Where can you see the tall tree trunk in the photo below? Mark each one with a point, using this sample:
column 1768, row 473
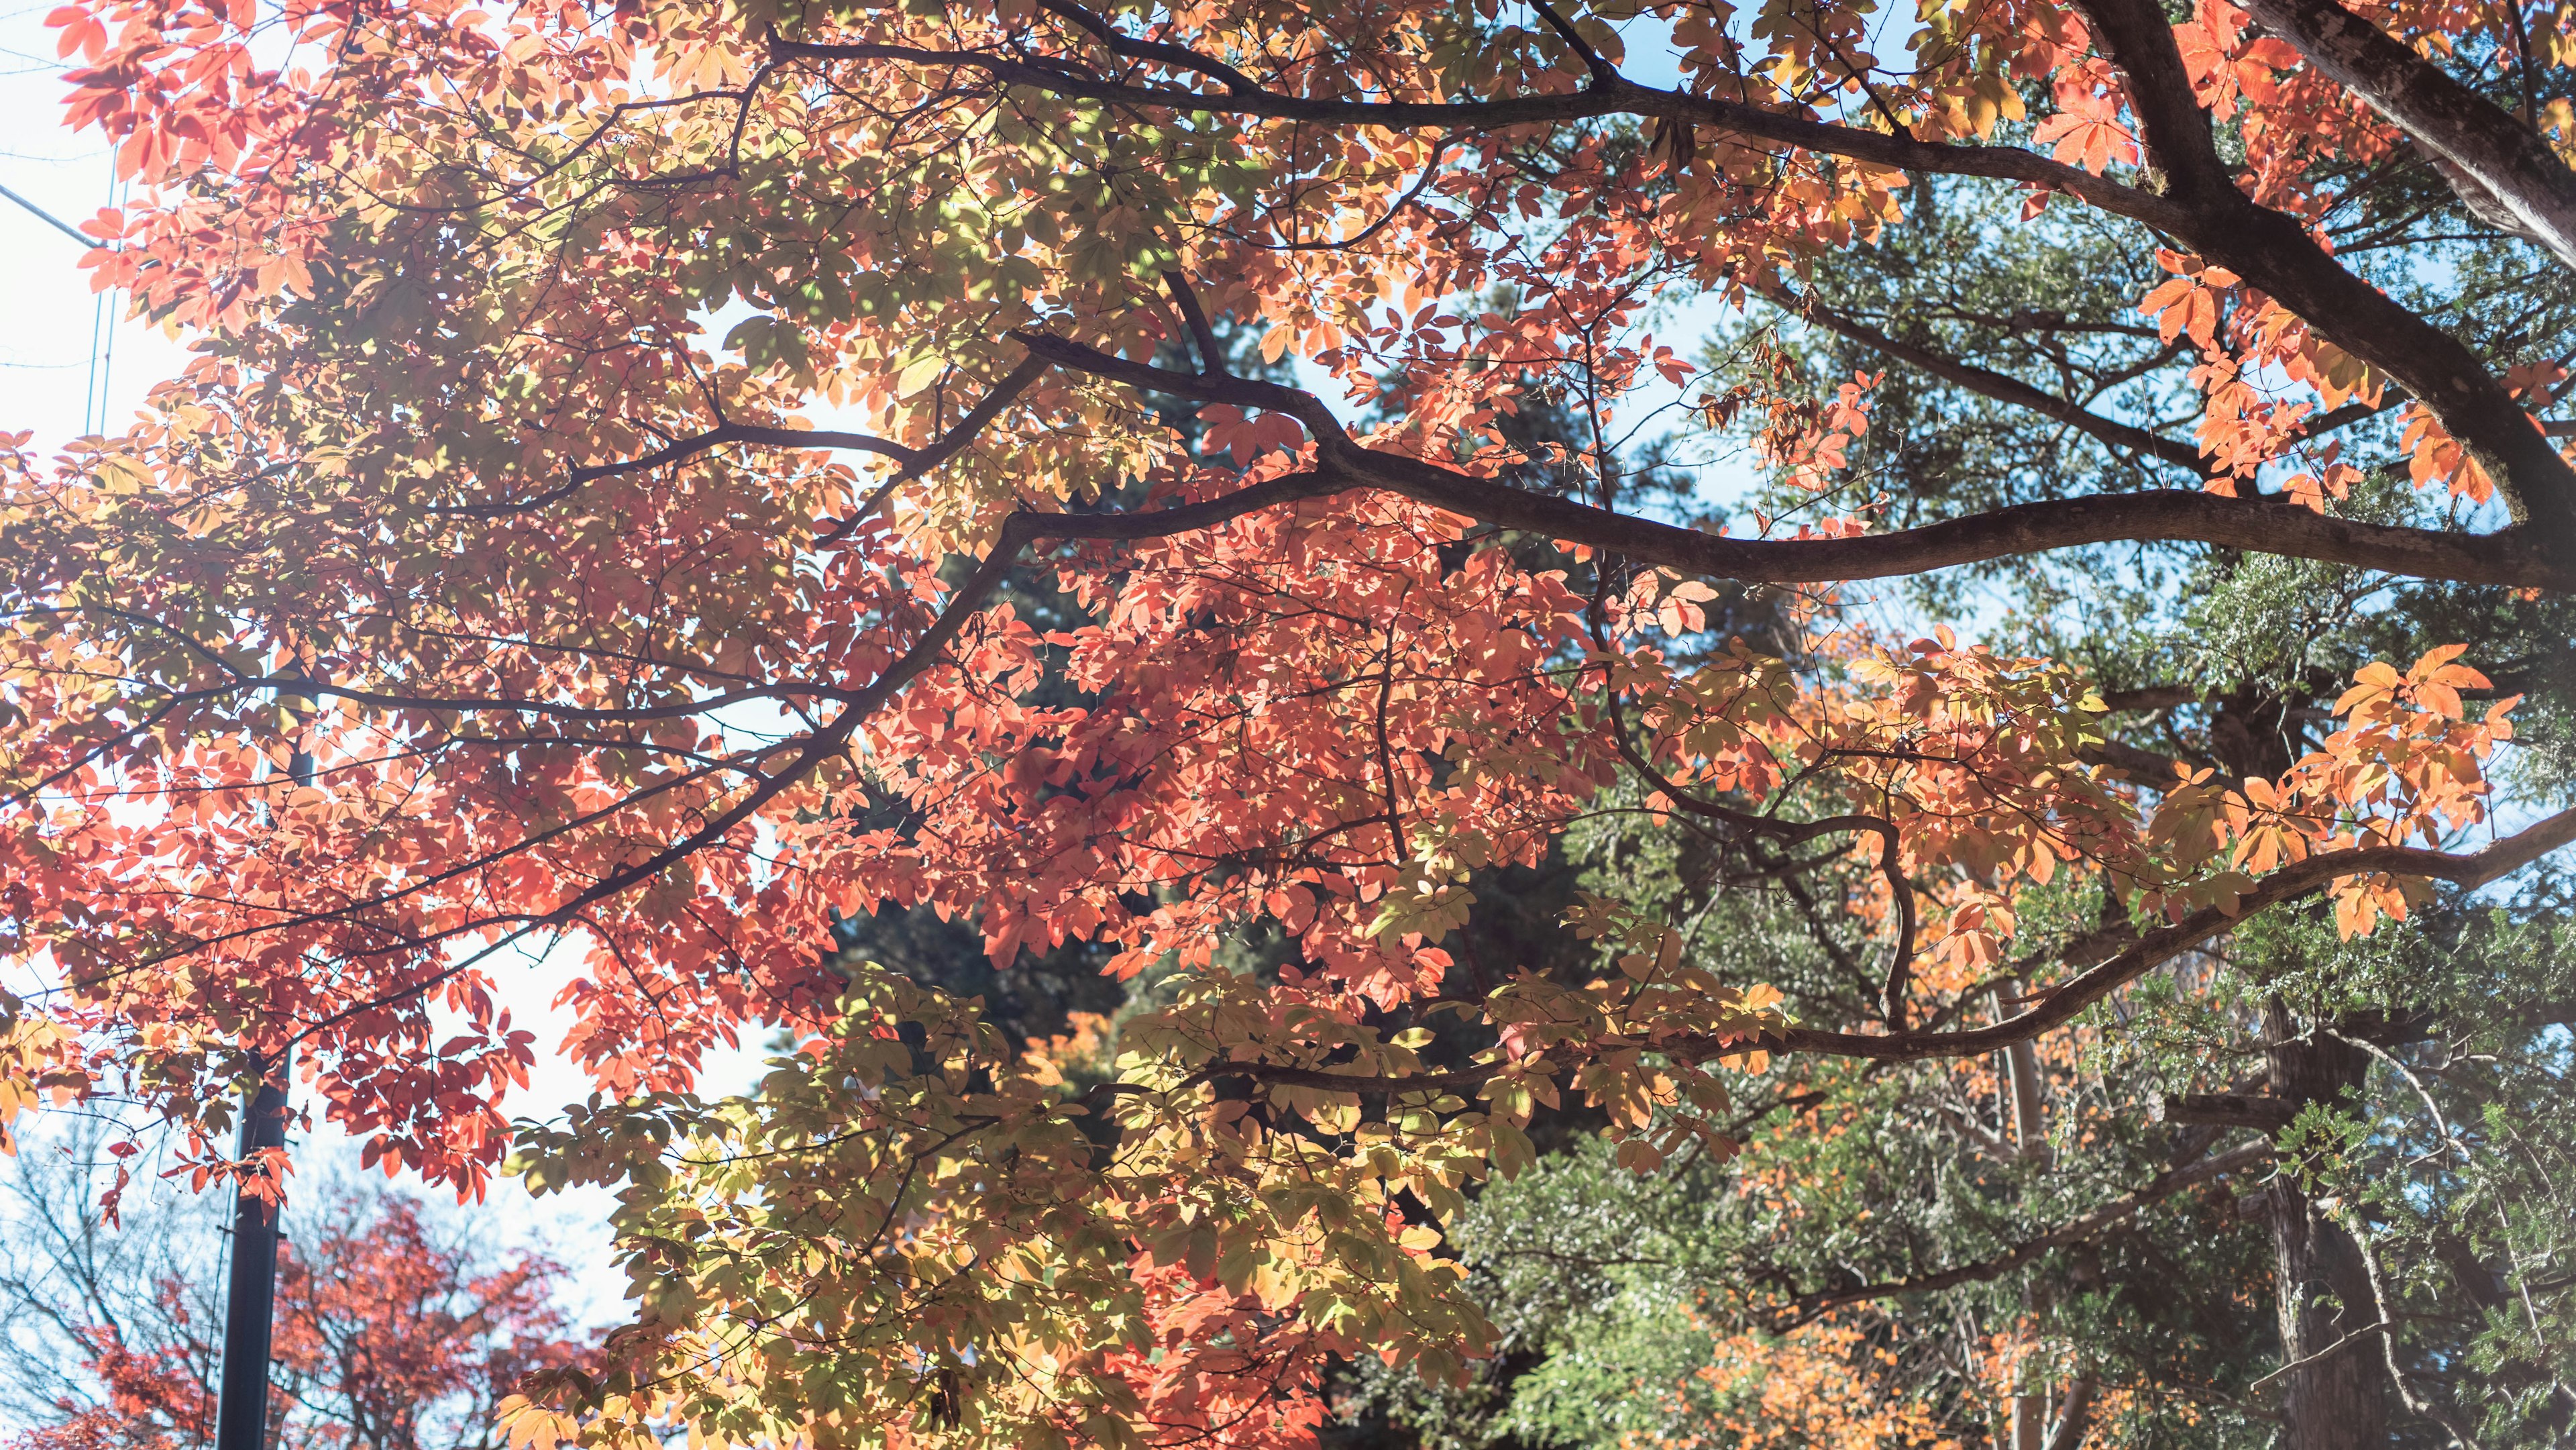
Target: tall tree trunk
column 2335, row 1396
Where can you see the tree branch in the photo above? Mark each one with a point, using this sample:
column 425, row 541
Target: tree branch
column 1099, row 28
column 1999, row 386
column 2075, row 1413
column 911, row 462
column 2201, row 205
column 2139, row 767
column 2228, row 1110
column 2505, row 172
column 2507, row 557
column 2055, row 1008
column 2062, row 1004
column 1211, row 354
column 1617, row 96
column 2275, row 252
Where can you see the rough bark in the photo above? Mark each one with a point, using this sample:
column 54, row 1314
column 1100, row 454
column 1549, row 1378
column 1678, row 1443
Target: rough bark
column 2332, row 1394
column 2500, row 167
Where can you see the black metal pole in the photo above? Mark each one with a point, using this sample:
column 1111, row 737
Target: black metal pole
column 250, row 1303
column 250, row 1298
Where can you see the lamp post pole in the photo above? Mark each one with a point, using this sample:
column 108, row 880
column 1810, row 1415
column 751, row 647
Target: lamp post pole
column 250, row 1302
column 250, row 1298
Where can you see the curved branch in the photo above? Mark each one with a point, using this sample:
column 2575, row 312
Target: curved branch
column 2055, row 1008
column 1099, row 28
column 818, row 747
column 2201, row 205
column 2170, row 515
column 2154, row 948
column 1616, row 96
column 1891, row 860
column 2275, row 252
column 1211, row 352
column 911, row 462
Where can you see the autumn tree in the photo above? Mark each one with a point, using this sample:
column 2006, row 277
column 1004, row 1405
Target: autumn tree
column 468, row 592
column 397, row 1328
column 1949, row 1254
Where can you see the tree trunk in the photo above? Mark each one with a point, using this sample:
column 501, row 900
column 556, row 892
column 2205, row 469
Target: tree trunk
column 2335, row 1395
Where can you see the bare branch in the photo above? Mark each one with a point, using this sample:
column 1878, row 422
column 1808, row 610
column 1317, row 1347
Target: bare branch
column 2000, row 387
column 911, row 462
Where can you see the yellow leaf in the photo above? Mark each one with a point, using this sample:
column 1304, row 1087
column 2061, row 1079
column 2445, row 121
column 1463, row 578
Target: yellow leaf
column 918, row 374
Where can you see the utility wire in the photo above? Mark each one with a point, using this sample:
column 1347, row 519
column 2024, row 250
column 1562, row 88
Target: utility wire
column 57, row 223
column 102, row 341
column 102, row 337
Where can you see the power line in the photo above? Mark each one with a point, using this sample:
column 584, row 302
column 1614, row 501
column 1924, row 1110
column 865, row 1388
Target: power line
column 93, row 406
column 115, row 197
column 57, row 223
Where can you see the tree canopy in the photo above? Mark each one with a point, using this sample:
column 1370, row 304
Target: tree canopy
column 1215, row 509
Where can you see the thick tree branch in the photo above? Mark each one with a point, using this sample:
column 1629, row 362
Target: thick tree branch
column 2075, row 1413
column 2274, row 251
column 1211, row 352
column 1099, row 28
column 2154, row 697
column 2162, row 515
column 2054, row 1009
column 1616, row 97
column 2228, row 1110
column 2501, row 168
column 2138, row 767
column 2154, row 948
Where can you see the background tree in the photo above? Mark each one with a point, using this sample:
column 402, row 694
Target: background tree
column 398, row 1327
column 575, row 624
